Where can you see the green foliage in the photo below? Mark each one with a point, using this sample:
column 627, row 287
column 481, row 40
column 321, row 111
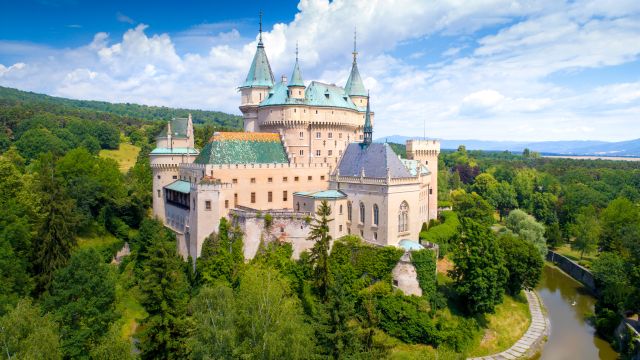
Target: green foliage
column 472, row 206
column 407, row 319
column 14, row 279
column 262, row 319
column 445, row 233
column 523, row 262
column 222, row 257
column 586, row 230
column 425, row 263
column 112, row 347
column 367, row 260
column 399, row 149
column 479, row 269
column 26, row 334
column 612, row 277
column 320, row 251
column 620, row 227
column 165, row 297
column 82, row 300
column 36, row 142
column 528, row 229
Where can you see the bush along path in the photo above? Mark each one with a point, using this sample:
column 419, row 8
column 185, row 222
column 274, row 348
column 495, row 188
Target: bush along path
column 531, row 342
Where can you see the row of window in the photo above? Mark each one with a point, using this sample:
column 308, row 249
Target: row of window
column 284, row 179
column 403, row 215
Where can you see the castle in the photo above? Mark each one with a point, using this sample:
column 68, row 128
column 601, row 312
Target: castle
column 301, row 145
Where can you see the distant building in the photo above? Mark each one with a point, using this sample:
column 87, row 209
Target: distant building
column 302, row 144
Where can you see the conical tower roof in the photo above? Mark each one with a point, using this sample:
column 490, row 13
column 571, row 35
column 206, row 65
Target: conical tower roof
column 296, row 76
column 355, row 86
column 260, row 73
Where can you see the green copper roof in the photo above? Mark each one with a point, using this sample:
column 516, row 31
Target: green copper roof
column 296, row 76
column 179, row 186
column 178, row 128
column 175, row 150
column 325, row 194
column 242, row 152
column 414, row 165
column 260, row 73
column 355, row 86
column 316, row 94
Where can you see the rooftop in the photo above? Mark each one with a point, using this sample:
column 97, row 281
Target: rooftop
column 374, row 159
column 174, row 151
column 243, row 148
column 316, row 94
column 414, row 165
column 325, row 194
column 179, row 186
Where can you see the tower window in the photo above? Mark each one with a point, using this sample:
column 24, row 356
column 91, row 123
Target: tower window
column 253, row 180
column 253, row 198
column 270, row 179
column 330, row 153
column 318, row 135
column 349, row 210
column 321, row 177
column 318, row 152
column 207, row 205
column 158, row 177
column 285, row 196
column 226, row 204
column 301, row 152
column 159, row 194
column 301, row 134
column 362, row 213
column 330, row 135
column 270, row 196
column 375, row 214
column 235, row 181
column 296, row 178
column 309, row 178
column 284, row 179
column 403, row 217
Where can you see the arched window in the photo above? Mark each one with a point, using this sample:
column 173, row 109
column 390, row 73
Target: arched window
column 340, row 209
column 375, row 214
column 349, row 210
column 361, row 213
column 403, row 217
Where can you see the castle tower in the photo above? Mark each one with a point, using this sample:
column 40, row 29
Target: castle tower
column 355, row 87
column 174, row 146
column 296, row 85
column 427, row 151
column 256, row 86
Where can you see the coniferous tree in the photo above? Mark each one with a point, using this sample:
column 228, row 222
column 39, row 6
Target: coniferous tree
column 320, row 251
column 221, row 257
column 165, row 296
column 479, row 269
column 57, row 229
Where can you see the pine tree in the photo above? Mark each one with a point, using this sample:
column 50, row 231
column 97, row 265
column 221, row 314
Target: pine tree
column 165, row 297
column 320, row 250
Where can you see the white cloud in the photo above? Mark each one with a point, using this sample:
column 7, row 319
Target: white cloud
column 501, row 90
column 124, row 18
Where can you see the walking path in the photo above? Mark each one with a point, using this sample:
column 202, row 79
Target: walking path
column 528, row 343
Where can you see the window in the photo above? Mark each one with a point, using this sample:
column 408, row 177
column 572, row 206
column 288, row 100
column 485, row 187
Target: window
column 340, row 228
column 318, row 152
column 318, row 135
column 226, row 204
column 175, row 177
column 235, row 181
column 430, row 191
column 361, row 213
column 330, row 135
column 375, row 236
column 330, row 153
column 301, row 152
column 301, row 134
column 309, row 178
column 339, row 135
column 159, row 195
column 375, row 214
column 284, row 196
column 316, row 111
column 340, row 209
column 295, row 110
column 403, row 217
column 296, row 178
column 361, row 137
column 349, row 210
column 207, row 205
column 235, row 200
column 284, row 179
column 269, row 179
column 362, row 234
column 253, row 180
column 321, row 177
column 270, row 196
column 158, row 177
column 298, row 207
column 253, row 198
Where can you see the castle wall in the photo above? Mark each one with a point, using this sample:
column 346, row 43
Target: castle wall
column 405, row 276
column 427, row 152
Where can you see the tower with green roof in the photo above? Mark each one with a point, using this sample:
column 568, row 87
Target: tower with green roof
column 296, row 85
column 256, row 86
column 354, row 87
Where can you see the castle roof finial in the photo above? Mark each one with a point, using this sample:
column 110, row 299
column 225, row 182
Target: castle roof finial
column 296, row 51
column 368, row 128
column 355, row 51
column 260, row 38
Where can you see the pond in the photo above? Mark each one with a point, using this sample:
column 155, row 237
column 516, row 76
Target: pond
column 568, row 304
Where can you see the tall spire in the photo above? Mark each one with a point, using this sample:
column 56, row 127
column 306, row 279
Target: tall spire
column 296, row 76
column 355, row 86
column 260, row 73
column 368, row 128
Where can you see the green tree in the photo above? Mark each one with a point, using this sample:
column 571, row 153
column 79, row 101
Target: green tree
column 620, row 226
column 26, row 334
column 504, row 198
column 554, row 235
column 36, row 142
column 112, row 347
column 528, row 229
column 586, row 231
column 485, row 185
column 320, row 251
column 523, row 262
column 82, row 300
column 479, row 269
column 165, row 297
column 57, row 228
column 613, row 280
column 262, row 320
column 472, row 206
column 221, row 258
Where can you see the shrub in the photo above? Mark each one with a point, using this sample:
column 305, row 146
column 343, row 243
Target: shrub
column 444, row 233
column 425, row 264
column 375, row 262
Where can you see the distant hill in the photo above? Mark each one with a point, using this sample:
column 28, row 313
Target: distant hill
column 10, row 97
column 574, row 147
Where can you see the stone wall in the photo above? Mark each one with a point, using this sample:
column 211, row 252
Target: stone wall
column 574, row 270
column 405, row 276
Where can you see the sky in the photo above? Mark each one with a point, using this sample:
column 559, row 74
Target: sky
column 490, row 69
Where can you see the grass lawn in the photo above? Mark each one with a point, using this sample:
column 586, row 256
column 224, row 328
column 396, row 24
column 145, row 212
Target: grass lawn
column 575, row 255
column 128, row 305
column 125, row 156
column 504, row 328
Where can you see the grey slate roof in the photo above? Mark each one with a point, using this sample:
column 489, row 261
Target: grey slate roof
column 375, row 158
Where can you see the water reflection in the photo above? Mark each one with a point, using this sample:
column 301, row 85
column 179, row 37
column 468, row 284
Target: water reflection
column 568, row 304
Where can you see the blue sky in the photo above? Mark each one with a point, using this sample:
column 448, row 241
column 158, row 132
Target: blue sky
column 490, row 69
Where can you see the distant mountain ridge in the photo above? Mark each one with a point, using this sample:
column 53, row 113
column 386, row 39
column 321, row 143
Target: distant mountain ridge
column 629, row 148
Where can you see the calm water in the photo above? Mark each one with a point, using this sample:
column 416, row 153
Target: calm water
column 568, row 304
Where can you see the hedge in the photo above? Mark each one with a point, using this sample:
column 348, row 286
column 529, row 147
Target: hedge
column 444, row 233
column 425, row 263
column 376, row 262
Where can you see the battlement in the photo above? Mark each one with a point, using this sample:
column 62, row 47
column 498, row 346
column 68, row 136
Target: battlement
column 423, row 145
column 374, row 181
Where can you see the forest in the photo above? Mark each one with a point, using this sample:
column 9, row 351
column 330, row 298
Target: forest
column 65, row 211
